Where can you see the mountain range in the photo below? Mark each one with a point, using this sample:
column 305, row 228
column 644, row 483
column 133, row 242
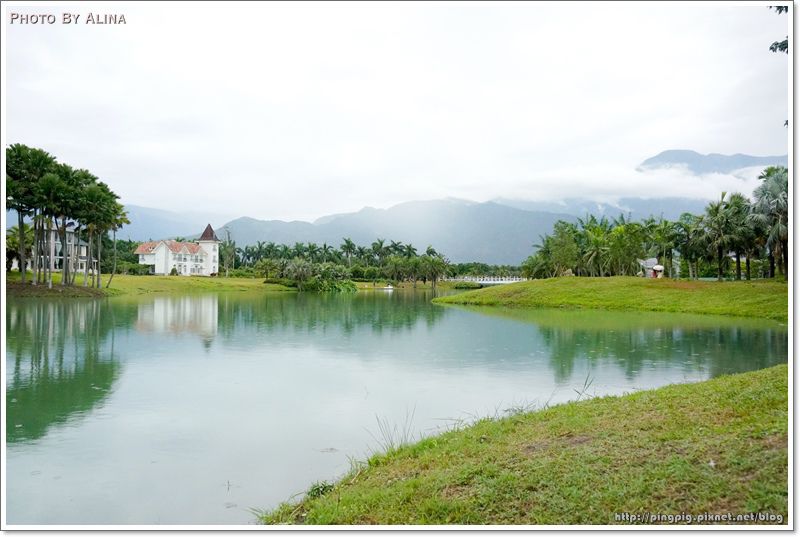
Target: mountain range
column 500, row 231
column 711, row 163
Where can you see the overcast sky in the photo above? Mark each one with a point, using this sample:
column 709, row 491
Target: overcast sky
column 294, row 111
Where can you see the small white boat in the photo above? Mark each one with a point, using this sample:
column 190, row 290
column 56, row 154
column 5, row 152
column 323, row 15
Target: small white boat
column 387, row 288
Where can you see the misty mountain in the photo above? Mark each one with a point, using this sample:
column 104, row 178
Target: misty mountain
column 711, row 163
column 148, row 223
column 464, row 231
column 635, row 208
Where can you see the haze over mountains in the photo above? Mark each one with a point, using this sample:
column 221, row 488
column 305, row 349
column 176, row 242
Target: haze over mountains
column 500, row 231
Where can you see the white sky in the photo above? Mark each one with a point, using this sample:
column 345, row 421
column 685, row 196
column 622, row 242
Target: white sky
column 294, row 111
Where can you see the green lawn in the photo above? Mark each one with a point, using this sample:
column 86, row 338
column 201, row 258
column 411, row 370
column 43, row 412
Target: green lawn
column 137, row 285
column 757, row 298
column 712, row 447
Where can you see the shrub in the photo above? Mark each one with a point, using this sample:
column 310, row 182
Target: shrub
column 322, row 285
column 244, row 272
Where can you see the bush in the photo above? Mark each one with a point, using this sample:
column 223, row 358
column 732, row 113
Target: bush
column 125, row 267
column 467, row 285
column 173, row 272
column 244, row 272
column 321, row 285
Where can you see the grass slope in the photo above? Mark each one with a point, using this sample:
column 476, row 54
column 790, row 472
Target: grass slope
column 717, row 446
column 761, row 298
column 138, row 285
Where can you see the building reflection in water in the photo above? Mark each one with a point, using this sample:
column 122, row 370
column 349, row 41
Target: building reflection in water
column 179, row 315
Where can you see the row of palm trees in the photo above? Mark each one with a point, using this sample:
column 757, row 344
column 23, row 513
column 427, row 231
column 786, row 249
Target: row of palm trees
column 381, row 259
column 424, row 268
column 734, row 225
column 58, row 198
column 375, row 255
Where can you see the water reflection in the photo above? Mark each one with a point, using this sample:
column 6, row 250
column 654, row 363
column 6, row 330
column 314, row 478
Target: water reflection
column 634, row 341
column 215, row 403
column 180, row 315
column 63, row 364
column 309, row 313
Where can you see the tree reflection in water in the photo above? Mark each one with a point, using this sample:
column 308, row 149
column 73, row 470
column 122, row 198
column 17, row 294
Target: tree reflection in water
column 61, row 363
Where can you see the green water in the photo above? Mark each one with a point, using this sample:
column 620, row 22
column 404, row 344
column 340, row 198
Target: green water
column 193, row 409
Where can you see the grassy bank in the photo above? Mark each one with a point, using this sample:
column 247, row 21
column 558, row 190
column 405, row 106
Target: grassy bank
column 712, row 447
column 138, row 285
column 761, row 298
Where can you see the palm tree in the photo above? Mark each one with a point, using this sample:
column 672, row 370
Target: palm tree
column 770, row 211
column 25, row 166
column 718, row 230
column 348, row 248
column 299, row 250
column 689, row 241
column 326, row 252
column 120, row 219
column 364, row 254
column 285, row 252
column 409, row 251
column 312, row 250
column 663, row 239
column 742, row 228
column 379, row 250
column 595, row 256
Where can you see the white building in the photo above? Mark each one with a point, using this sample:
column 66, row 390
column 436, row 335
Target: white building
column 77, row 250
column 200, row 258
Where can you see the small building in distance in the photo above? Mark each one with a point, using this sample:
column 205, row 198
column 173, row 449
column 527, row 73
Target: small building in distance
column 197, row 258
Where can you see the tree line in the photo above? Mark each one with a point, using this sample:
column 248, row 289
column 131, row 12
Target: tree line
column 58, row 198
column 305, row 263
column 734, row 226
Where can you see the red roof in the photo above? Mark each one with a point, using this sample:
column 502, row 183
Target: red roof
column 146, row 247
column 174, row 247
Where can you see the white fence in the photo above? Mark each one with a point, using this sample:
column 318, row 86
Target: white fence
column 487, row 280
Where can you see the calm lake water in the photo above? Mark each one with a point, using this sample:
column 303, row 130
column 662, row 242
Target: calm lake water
column 194, row 409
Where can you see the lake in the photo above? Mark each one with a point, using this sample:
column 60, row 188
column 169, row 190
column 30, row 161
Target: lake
column 193, row 409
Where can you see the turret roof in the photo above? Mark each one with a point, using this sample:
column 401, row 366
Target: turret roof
column 208, row 234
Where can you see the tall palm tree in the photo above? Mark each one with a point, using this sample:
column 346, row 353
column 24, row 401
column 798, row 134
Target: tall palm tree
column 120, row 219
column 364, row 254
column 663, row 239
column 689, row 241
column 742, row 228
column 299, row 250
column 25, row 166
column 325, row 252
column 770, row 211
column 348, row 248
column 312, row 251
column 379, row 250
column 718, row 230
